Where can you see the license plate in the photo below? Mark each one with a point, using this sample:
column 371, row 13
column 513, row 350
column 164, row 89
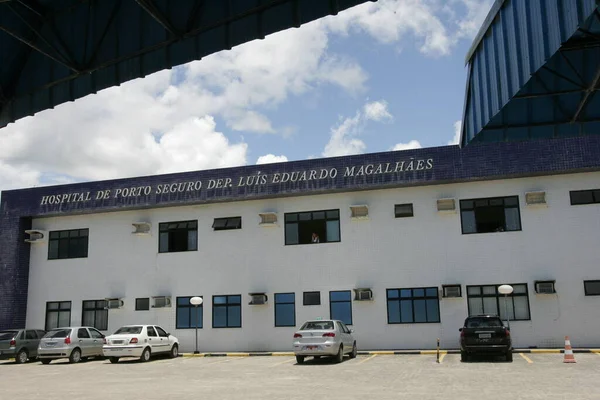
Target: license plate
column 117, row 342
column 311, row 347
column 50, row 344
column 485, row 335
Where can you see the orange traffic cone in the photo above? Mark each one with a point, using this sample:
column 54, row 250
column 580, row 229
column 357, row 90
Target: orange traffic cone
column 569, row 357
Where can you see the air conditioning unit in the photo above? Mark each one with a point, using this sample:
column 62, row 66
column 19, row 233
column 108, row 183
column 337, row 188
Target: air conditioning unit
column 114, row 303
column 141, row 228
column 268, row 219
column 446, row 205
column 161, row 302
column 451, row 291
column 545, row 287
column 535, row 198
column 36, row 236
column 258, row 298
column 359, row 212
column 363, row 294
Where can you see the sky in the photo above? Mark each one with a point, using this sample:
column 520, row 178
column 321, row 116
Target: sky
column 380, row 76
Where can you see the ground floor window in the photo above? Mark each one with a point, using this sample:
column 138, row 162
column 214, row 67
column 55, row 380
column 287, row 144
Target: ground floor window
column 188, row 315
column 340, row 306
column 413, row 306
column 58, row 314
column 312, row 298
column 227, row 311
column 485, row 299
column 591, row 288
column 285, row 309
column 142, row 304
column 95, row 314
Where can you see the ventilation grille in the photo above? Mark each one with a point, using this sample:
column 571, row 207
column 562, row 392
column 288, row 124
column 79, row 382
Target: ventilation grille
column 268, row 219
column 141, row 228
column 359, row 212
column 451, row 291
column 114, row 304
column 36, row 236
column 545, row 287
column 363, row 294
column 161, row 302
column 446, row 205
column 535, row 198
column 258, row 298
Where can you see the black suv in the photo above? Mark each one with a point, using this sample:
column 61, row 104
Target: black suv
column 484, row 334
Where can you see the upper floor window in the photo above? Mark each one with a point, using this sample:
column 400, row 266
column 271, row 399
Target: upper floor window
column 591, row 288
column 579, row 197
column 223, row 224
column 178, row 236
column 68, row 244
column 312, row 227
column 498, row 214
column 413, row 306
column 403, row 210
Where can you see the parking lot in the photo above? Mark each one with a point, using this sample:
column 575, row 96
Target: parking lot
column 530, row 376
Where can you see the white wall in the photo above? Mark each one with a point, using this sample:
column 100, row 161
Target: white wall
column 558, row 242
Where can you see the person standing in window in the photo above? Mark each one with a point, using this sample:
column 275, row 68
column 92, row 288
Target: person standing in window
column 315, row 238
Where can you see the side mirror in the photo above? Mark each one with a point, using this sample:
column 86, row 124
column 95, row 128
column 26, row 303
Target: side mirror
column 351, row 330
column 460, row 329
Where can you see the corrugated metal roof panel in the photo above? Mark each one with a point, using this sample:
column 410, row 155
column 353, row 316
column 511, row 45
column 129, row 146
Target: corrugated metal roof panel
column 526, row 56
column 62, row 50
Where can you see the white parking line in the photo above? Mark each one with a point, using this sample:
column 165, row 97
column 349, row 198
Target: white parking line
column 367, row 359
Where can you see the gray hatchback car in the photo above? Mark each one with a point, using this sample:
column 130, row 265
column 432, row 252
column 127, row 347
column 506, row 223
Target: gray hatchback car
column 20, row 344
column 75, row 343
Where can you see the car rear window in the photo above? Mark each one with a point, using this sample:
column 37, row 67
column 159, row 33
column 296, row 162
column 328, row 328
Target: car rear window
column 319, row 325
column 129, row 330
column 6, row 335
column 58, row 333
column 484, row 323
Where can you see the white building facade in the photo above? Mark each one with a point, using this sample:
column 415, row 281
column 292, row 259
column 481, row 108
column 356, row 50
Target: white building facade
column 402, row 265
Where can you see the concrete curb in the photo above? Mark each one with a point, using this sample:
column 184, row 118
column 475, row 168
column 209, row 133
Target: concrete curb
column 383, row 352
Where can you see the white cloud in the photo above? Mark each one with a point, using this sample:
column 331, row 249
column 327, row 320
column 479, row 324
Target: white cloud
column 344, row 141
column 413, row 144
column 424, row 21
column 377, row 111
column 270, row 159
column 457, row 131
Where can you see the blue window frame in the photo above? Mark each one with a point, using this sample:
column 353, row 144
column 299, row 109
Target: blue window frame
column 227, row 311
column 285, row 309
column 340, row 306
column 413, row 306
column 187, row 314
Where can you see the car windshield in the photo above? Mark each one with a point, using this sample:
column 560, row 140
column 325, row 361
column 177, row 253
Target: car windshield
column 58, row 333
column 318, row 325
column 484, row 323
column 5, row 335
column 128, row 330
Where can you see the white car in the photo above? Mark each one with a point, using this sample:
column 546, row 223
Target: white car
column 140, row 341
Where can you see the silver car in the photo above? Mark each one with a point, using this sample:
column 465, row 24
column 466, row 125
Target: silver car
column 20, row 344
column 329, row 338
column 75, row 343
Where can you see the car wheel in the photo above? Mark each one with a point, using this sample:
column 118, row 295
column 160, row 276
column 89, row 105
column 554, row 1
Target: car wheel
column 464, row 357
column 300, row 359
column 145, row 355
column 45, row 361
column 114, row 360
column 354, row 352
column 75, row 356
column 21, row 357
column 509, row 356
column 174, row 351
column 340, row 354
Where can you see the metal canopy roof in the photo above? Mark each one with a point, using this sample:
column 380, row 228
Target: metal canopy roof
column 54, row 51
column 534, row 72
